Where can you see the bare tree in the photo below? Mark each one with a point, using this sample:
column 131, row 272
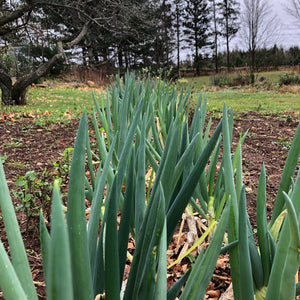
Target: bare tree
column 293, row 8
column 70, row 23
column 259, row 28
column 13, row 26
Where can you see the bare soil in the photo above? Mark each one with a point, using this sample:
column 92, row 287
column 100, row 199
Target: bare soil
column 26, row 146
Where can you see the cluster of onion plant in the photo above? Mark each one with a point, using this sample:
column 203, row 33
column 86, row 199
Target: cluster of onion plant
column 144, row 126
column 265, row 270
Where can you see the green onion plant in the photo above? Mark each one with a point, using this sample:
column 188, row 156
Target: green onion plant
column 144, row 126
column 266, row 269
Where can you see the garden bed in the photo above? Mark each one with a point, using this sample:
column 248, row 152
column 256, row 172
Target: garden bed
column 26, row 146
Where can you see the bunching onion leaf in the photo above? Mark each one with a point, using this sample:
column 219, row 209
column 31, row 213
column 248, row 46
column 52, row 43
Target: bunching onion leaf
column 20, row 265
column 59, row 274
column 76, row 218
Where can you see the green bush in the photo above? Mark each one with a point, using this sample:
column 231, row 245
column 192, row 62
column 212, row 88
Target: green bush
column 221, row 80
column 230, row 80
column 289, row 78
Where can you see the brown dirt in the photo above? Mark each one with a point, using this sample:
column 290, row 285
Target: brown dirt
column 30, row 147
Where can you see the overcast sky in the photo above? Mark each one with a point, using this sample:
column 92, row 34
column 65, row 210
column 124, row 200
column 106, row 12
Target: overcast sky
column 290, row 29
column 289, row 34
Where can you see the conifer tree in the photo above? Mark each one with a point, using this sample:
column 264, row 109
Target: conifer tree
column 229, row 25
column 196, row 23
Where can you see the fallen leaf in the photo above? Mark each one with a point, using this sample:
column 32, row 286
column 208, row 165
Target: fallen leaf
column 213, row 293
column 222, row 263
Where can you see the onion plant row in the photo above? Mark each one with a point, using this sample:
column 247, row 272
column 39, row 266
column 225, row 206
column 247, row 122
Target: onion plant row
column 267, row 269
column 145, row 128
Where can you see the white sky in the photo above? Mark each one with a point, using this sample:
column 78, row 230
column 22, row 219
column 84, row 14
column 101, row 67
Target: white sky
column 289, row 34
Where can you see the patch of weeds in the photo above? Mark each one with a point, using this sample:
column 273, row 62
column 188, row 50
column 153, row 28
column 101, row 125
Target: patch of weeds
column 26, row 127
column 63, row 165
column 46, row 121
column 289, row 78
column 221, row 80
column 14, row 143
column 41, row 122
column 18, row 165
column 283, row 142
column 3, row 159
column 34, row 194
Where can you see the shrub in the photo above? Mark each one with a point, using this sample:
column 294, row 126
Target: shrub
column 230, row 80
column 289, row 78
column 221, row 80
column 241, row 79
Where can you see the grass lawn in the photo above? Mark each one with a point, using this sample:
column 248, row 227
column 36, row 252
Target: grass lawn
column 273, row 100
column 263, row 101
column 61, row 99
column 62, row 103
column 200, row 82
column 53, row 105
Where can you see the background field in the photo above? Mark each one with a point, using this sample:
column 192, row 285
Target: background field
column 60, row 102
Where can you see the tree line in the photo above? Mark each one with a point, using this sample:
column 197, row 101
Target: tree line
column 38, row 36
column 266, row 58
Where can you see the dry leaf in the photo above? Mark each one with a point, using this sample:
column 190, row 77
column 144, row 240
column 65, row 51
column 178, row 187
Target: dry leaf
column 213, row 293
column 222, row 262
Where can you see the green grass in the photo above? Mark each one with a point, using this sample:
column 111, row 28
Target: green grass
column 275, row 100
column 62, row 104
column 262, row 101
column 200, row 82
column 54, row 104
column 61, row 99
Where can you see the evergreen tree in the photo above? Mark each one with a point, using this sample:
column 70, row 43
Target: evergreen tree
column 229, row 12
column 215, row 32
column 196, row 23
column 163, row 45
column 179, row 10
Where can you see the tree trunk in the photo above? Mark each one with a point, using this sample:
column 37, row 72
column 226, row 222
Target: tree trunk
column 227, row 39
column 228, row 54
column 5, row 85
column 215, row 37
column 197, row 62
column 19, row 88
column 178, row 39
column 14, row 94
column 252, row 65
column 120, row 56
